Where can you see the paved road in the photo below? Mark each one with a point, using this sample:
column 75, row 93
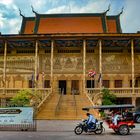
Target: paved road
column 67, row 126
column 63, row 130
column 65, row 136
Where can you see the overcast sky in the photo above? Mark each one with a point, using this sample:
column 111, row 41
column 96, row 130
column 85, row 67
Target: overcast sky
column 10, row 21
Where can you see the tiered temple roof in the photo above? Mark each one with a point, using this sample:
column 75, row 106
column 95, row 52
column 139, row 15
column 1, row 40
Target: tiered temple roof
column 71, row 23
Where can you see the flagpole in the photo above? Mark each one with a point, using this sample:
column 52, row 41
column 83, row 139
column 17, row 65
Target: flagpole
column 91, row 83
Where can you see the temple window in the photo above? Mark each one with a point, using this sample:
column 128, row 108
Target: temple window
column 106, row 83
column 118, row 83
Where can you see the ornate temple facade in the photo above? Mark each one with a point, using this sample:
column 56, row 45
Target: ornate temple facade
column 53, row 53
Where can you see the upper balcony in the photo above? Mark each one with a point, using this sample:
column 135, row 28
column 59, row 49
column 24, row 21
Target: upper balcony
column 119, row 92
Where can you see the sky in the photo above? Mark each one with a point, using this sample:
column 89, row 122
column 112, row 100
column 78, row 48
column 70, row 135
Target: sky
column 10, row 20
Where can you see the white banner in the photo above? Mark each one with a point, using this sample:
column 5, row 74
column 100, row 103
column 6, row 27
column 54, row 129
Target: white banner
column 16, row 115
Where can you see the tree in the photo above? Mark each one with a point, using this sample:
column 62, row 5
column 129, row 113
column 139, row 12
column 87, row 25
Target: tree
column 22, row 98
column 107, row 97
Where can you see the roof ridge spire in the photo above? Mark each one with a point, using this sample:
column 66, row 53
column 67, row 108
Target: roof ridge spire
column 21, row 14
column 108, row 8
column 33, row 10
column 121, row 11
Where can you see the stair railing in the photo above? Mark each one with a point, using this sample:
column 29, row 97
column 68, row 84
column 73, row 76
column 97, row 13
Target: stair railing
column 44, row 95
column 59, row 102
column 74, row 99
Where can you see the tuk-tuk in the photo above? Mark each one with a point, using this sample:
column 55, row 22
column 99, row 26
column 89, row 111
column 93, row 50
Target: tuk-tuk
column 124, row 124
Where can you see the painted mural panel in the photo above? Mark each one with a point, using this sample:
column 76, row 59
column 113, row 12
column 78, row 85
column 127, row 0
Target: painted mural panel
column 20, row 64
column 116, row 63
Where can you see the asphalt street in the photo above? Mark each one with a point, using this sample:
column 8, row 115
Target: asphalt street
column 63, row 130
column 135, row 135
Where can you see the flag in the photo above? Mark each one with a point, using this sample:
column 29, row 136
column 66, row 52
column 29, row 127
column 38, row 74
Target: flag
column 91, row 73
column 100, row 76
column 32, row 77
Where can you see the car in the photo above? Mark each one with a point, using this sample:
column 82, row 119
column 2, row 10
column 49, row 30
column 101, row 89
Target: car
column 136, row 116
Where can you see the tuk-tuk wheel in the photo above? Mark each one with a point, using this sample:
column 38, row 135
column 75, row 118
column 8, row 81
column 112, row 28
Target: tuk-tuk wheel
column 123, row 130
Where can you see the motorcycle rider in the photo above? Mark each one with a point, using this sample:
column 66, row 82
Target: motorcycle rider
column 90, row 121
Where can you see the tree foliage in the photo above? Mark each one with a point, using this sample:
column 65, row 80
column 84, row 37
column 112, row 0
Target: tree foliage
column 22, row 98
column 108, row 98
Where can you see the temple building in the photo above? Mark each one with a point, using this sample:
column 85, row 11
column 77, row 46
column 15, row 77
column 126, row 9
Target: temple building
column 53, row 54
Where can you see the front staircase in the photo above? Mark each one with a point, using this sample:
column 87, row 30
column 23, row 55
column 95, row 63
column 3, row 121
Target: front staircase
column 65, row 107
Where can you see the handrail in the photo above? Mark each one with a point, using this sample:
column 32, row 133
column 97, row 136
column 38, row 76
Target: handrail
column 37, row 104
column 59, row 101
column 75, row 104
column 41, row 103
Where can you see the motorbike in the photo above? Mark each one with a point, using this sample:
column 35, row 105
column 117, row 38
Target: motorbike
column 97, row 128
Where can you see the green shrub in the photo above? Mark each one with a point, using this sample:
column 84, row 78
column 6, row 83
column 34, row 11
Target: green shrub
column 108, row 98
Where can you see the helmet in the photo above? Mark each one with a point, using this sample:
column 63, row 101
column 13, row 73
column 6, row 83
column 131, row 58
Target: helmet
column 88, row 114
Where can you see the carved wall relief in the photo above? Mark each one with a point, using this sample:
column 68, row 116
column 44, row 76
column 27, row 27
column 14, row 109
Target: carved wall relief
column 57, row 63
column 137, row 63
column 45, row 63
column 18, row 81
column 91, row 63
column 18, row 64
column 68, row 64
column 116, row 63
column 79, row 64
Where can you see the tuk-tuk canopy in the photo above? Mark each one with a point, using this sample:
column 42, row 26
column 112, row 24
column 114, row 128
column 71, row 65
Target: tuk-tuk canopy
column 104, row 107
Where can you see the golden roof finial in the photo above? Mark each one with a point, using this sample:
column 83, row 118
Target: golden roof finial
column 21, row 13
column 108, row 8
column 33, row 10
column 121, row 11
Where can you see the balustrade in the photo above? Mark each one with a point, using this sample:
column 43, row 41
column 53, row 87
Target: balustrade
column 119, row 92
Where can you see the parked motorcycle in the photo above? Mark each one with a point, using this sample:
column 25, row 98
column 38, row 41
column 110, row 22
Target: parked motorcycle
column 82, row 127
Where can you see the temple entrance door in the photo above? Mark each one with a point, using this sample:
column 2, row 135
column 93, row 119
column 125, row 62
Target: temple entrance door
column 75, row 87
column 62, row 86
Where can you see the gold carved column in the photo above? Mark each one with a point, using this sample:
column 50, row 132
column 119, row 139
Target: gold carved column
column 69, row 86
column 36, row 62
column 52, row 57
column 3, row 100
column 132, row 61
column 84, row 65
column 100, row 63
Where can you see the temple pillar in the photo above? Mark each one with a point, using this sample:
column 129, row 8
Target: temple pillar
column 80, row 87
column 36, row 64
column 132, row 64
column 84, row 65
column 111, row 83
column 100, row 63
column 69, row 87
column 126, row 81
column 52, row 57
column 4, row 67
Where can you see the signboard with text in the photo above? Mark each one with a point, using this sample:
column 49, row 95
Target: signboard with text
column 16, row 115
